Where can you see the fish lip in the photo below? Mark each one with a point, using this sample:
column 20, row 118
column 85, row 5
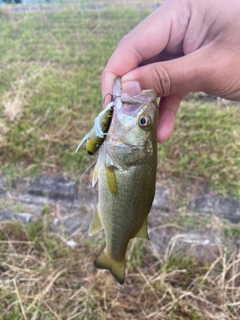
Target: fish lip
column 117, row 93
column 117, row 87
column 121, row 97
column 144, row 97
column 150, row 94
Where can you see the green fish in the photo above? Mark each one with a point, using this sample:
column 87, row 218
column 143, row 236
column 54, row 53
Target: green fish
column 126, row 174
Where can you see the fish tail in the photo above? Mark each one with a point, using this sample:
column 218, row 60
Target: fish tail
column 117, row 268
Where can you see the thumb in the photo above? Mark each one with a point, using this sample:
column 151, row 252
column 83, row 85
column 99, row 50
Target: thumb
column 172, row 80
column 193, row 72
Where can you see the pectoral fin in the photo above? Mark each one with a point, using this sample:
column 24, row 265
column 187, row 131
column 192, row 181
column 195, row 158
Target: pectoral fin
column 117, row 268
column 143, row 233
column 111, row 180
column 94, row 177
column 95, row 225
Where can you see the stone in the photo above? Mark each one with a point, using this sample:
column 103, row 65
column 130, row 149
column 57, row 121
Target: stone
column 161, row 199
column 193, row 243
column 229, row 209
column 204, row 246
column 73, row 223
column 3, row 188
column 226, row 208
column 54, row 188
column 6, row 215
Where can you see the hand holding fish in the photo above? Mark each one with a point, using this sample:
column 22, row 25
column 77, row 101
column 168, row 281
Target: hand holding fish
column 184, row 46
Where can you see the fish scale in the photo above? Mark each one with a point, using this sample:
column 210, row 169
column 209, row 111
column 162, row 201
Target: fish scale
column 121, row 228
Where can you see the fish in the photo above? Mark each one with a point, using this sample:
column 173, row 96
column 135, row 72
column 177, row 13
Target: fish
column 126, row 175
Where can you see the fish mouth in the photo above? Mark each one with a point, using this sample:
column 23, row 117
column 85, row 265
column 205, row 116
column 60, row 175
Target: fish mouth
column 117, row 87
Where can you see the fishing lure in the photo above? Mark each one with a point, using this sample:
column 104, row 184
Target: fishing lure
column 97, row 135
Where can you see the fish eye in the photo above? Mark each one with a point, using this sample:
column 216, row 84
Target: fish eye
column 144, row 121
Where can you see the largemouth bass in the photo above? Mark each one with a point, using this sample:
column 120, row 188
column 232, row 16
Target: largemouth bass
column 126, row 174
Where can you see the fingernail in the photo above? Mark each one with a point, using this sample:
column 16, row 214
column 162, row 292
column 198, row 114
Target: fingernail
column 131, row 87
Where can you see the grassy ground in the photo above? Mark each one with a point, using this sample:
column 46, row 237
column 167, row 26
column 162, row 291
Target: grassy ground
column 49, row 83
column 49, row 95
column 44, row 278
column 205, row 146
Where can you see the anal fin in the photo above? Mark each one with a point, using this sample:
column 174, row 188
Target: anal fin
column 143, row 233
column 95, row 225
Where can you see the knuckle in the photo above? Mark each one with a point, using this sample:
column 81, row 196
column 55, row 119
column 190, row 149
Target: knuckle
column 162, row 79
column 122, row 42
column 124, row 39
column 126, row 45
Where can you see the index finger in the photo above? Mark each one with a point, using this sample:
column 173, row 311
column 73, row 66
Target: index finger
column 145, row 41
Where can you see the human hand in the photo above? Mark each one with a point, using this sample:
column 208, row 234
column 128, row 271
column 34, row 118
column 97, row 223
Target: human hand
column 184, row 46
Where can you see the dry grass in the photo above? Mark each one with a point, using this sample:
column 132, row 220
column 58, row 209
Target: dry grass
column 44, row 278
column 20, row 94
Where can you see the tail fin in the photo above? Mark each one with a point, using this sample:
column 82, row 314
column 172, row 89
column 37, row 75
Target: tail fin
column 117, row 268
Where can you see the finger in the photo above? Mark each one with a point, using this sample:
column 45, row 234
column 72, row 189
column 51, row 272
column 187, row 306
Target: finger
column 196, row 71
column 132, row 87
column 168, row 109
column 147, row 40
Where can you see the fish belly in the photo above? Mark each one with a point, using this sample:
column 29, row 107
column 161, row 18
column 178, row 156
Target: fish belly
column 123, row 214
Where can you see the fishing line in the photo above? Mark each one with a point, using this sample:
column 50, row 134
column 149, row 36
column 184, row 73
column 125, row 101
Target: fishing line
column 79, row 182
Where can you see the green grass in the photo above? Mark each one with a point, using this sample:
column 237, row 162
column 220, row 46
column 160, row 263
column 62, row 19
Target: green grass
column 49, row 83
column 193, row 222
column 232, row 232
column 50, row 94
column 205, row 146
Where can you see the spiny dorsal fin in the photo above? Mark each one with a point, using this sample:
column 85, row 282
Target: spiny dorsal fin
column 143, row 233
column 95, row 225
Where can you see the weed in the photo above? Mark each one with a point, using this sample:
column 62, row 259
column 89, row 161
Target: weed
column 232, row 232
column 191, row 221
column 136, row 252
